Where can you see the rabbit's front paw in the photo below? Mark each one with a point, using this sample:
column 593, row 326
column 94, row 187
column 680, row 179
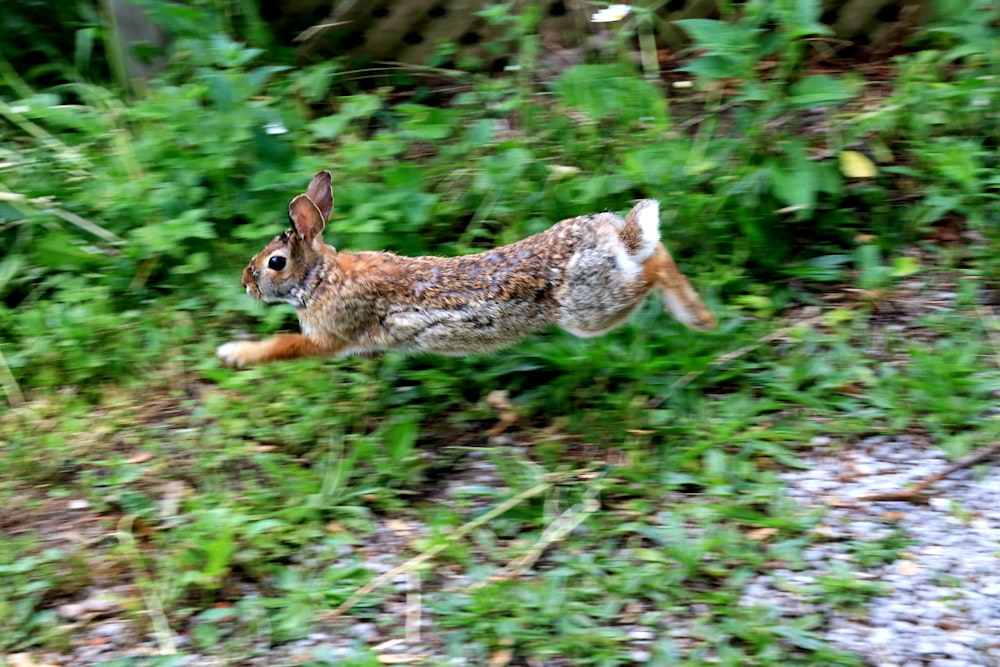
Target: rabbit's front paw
column 237, row 354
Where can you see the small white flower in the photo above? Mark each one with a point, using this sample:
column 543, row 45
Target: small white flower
column 561, row 170
column 275, row 127
column 611, row 13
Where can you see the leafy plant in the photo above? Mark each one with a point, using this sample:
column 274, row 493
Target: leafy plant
column 26, row 582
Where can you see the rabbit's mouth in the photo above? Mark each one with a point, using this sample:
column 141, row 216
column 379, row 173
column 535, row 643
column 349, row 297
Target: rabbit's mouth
column 255, row 292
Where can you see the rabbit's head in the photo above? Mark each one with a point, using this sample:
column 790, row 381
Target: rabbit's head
column 283, row 271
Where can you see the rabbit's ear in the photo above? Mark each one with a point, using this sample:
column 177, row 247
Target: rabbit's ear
column 306, row 218
column 320, row 194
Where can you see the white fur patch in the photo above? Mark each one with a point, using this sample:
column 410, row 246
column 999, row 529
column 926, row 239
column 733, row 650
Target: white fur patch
column 629, row 268
column 648, row 218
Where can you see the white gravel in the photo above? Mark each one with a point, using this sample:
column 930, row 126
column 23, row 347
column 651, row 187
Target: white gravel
column 942, row 602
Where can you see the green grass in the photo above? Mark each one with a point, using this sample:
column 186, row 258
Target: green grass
column 637, row 484
column 617, row 499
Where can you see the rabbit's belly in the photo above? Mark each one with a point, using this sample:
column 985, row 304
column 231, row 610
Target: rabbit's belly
column 464, row 329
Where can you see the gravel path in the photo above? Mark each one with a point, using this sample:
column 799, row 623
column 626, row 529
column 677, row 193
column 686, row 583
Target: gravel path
column 942, row 605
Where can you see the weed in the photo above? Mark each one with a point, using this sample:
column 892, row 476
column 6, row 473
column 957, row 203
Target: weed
column 633, row 488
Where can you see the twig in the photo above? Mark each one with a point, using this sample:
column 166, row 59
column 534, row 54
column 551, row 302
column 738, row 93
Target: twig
column 86, row 225
column 698, row 120
column 461, row 532
column 557, row 531
column 314, row 30
column 43, row 205
column 413, row 607
column 916, row 494
column 154, row 602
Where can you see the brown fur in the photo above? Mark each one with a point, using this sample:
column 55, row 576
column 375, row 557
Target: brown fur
column 584, row 274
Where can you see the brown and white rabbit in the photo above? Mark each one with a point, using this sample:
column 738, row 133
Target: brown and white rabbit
column 584, row 274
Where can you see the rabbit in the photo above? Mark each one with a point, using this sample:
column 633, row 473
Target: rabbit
column 585, row 274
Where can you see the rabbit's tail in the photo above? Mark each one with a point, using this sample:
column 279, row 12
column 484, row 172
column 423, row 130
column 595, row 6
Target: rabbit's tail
column 640, row 232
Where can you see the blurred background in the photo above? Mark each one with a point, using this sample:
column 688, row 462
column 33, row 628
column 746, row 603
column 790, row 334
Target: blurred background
column 150, row 147
column 829, row 179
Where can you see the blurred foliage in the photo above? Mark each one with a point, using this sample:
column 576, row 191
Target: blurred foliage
column 169, row 193
column 49, row 42
column 246, row 505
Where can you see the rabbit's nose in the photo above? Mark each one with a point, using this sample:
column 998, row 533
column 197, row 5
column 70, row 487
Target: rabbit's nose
column 247, row 276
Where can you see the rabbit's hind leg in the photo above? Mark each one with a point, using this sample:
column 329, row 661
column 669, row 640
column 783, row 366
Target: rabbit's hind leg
column 679, row 298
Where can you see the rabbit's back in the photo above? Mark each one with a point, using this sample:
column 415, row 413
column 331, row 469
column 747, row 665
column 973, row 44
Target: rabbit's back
column 454, row 305
column 578, row 274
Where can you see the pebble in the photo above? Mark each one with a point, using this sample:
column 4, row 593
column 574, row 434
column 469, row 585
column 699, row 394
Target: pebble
column 71, row 610
column 641, row 634
column 95, row 604
column 91, row 654
column 112, row 629
column 365, row 632
column 942, row 602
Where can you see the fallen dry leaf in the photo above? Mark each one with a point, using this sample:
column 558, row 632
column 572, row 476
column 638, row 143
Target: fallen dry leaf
column 857, row 165
column 25, row 660
column 170, row 504
column 398, row 526
column 96, row 641
column 140, row 457
column 391, row 659
column 501, row 658
column 499, row 400
column 824, row 530
column 761, row 534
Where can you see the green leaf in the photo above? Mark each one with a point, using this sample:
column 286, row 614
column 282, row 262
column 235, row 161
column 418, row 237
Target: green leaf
column 258, row 76
column 652, row 556
column 904, row 266
column 84, row 48
column 803, row 639
column 827, row 268
column 59, row 251
column 820, row 90
column 603, row 91
column 714, row 35
column 717, row 66
column 802, row 18
column 353, row 108
column 10, row 269
column 795, row 180
column 427, row 123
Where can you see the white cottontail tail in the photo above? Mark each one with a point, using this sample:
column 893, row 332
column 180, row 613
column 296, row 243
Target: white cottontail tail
column 584, row 274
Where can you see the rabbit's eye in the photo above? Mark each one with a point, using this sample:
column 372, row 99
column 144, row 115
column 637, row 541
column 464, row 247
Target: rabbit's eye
column 276, row 263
